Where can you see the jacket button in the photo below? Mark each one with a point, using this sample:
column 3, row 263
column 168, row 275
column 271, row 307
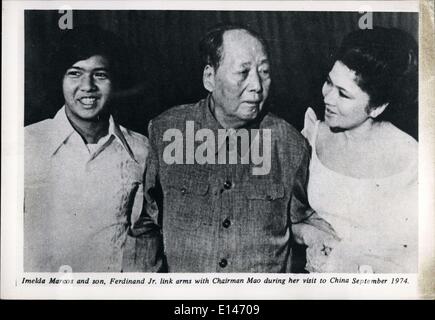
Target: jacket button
column 183, row 190
column 223, row 263
column 226, row 223
column 227, row 185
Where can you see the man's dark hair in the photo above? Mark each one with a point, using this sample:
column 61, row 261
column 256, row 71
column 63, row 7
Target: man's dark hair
column 210, row 46
column 86, row 41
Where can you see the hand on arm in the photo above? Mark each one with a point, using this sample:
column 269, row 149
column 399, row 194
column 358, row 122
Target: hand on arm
column 313, row 234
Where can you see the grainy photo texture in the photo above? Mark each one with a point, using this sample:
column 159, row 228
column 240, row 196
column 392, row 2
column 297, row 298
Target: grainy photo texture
column 221, row 141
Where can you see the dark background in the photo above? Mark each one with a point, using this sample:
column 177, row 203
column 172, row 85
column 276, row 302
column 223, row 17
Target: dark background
column 163, row 48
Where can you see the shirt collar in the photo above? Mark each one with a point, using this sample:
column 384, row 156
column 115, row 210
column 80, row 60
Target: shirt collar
column 63, row 130
column 114, row 129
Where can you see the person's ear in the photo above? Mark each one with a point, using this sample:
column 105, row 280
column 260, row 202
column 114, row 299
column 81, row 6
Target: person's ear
column 378, row 110
column 208, row 78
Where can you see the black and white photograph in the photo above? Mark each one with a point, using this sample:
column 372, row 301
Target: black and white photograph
column 219, row 142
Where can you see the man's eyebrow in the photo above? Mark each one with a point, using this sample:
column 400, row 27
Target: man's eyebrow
column 101, row 69
column 265, row 60
column 94, row 69
column 74, row 67
column 248, row 64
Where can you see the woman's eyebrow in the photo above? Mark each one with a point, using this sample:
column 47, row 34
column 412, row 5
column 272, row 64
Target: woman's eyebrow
column 345, row 91
column 340, row 88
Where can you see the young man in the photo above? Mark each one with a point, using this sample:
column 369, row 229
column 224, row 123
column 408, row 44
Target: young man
column 84, row 172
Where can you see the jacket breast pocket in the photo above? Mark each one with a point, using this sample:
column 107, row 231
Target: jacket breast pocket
column 266, row 201
column 186, row 202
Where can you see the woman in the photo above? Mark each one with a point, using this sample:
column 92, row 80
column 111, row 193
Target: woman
column 363, row 172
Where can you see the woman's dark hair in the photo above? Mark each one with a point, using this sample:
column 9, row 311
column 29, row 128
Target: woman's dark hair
column 385, row 63
column 85, row 41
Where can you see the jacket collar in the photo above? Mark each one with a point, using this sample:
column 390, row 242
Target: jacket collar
column 209, row 121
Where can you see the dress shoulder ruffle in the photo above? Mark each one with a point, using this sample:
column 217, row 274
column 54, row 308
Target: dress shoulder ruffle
column 310, row 126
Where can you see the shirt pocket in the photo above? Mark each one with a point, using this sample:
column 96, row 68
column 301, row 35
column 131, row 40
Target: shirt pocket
column 266, row 201
column 187, row 205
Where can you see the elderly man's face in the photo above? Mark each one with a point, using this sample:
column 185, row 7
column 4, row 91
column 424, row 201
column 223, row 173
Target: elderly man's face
column 87, row 88
column 240, row 85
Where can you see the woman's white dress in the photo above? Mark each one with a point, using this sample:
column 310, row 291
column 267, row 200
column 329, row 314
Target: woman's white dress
column 376, row 219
